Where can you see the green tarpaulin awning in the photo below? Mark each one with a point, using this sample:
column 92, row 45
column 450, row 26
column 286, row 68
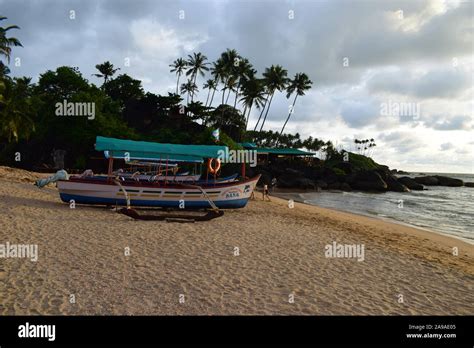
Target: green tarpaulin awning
column 283, row 151
column 157, row 151
column 147, row 156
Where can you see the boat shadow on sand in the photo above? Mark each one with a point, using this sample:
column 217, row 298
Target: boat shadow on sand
column 137, row 213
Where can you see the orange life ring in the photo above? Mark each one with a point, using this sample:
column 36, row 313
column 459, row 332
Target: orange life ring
column 211, row 168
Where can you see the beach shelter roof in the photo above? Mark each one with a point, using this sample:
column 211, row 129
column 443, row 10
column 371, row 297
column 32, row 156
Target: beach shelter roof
column 144, row 150
column 283, row 151
column 248, row 145
column 275, row 151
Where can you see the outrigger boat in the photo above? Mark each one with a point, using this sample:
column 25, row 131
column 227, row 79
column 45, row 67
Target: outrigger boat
column 111, row 190
column 184, row 178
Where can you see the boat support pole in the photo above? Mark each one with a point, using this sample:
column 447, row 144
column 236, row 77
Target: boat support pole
column 117, row 181
column 212, row 204
column 111, row 168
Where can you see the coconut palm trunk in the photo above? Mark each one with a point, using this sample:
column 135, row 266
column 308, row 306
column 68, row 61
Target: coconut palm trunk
column 261, row 114
column 223, row 91
column 208, row 94
column 236, row 94
column 228, row 95
column 193, row 78
column 212, row 97
column 266, row 114
column 289, row 114
column 177, row 84
column 248, row 116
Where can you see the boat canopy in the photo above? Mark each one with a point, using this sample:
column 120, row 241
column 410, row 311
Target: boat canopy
column 151, row 157
column 144, row 150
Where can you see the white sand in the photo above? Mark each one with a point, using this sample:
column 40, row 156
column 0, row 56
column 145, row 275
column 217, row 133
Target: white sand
column 282, row 252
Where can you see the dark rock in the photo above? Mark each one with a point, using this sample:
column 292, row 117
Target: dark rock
column 427, row 180
column 384, row 174
column 305, row 183
column 369, row 180
column 334, row 186
column 345, row 187
column 292, row 181
column 286, row 181
column 469, row 184
column 395, row 171
column 410, row 183
column 394, row 185
column 329, row 175
column 293, row 172
column 439, row 180
column 384, row 168
column 445, row 181
column 322, row 184
column 347, row 167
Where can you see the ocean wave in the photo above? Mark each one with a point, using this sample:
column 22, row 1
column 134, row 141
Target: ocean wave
column 440, row 211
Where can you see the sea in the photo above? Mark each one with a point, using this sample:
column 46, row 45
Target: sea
column 446, row 210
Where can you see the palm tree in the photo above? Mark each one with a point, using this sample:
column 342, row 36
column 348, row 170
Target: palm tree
column 179, row 66
column 106, row 70
column 228, row 60
column 4, row 70
column 2, row 90
column 6, row 43
column 217, row 71
column 299, row 85
column 210, row 84
column 189, row 88
column 230, row 86
column 18, row 110
column 275, row 79
column 253, row 94
column 243, row 72
column 197, row 65
column 264, row 105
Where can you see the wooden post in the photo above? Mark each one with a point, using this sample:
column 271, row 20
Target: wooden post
column 166, row 171
column 111, row 168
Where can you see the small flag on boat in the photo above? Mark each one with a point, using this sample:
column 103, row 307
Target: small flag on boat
column 215, row 134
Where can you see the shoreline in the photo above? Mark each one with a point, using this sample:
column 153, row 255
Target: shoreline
column 295, row 195
column 281, row 252
column 447, row 240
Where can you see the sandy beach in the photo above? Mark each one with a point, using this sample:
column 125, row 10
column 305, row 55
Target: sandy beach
column 195, row 269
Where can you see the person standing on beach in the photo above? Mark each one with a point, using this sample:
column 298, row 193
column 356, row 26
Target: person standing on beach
column 265, row 193
column 274, row 182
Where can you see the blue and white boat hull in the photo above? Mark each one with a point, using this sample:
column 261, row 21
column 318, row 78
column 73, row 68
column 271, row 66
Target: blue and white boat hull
column 183, row 196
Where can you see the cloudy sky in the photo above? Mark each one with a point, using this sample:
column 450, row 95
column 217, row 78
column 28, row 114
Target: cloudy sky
column 400, row 72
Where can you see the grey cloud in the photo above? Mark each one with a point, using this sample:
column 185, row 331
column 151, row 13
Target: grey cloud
column 315, row 42
column 446, row 123
column 447, row 83
column 402, row 142
column 446, row 146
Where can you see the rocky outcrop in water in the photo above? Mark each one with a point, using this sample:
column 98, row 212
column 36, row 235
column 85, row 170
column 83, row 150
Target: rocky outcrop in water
column 427, row 180
column 394, row 185
column 411, row 183
column 346, row 176
column 438, row 180
column 445, row 181
column 368, row 180
column 391, row 180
